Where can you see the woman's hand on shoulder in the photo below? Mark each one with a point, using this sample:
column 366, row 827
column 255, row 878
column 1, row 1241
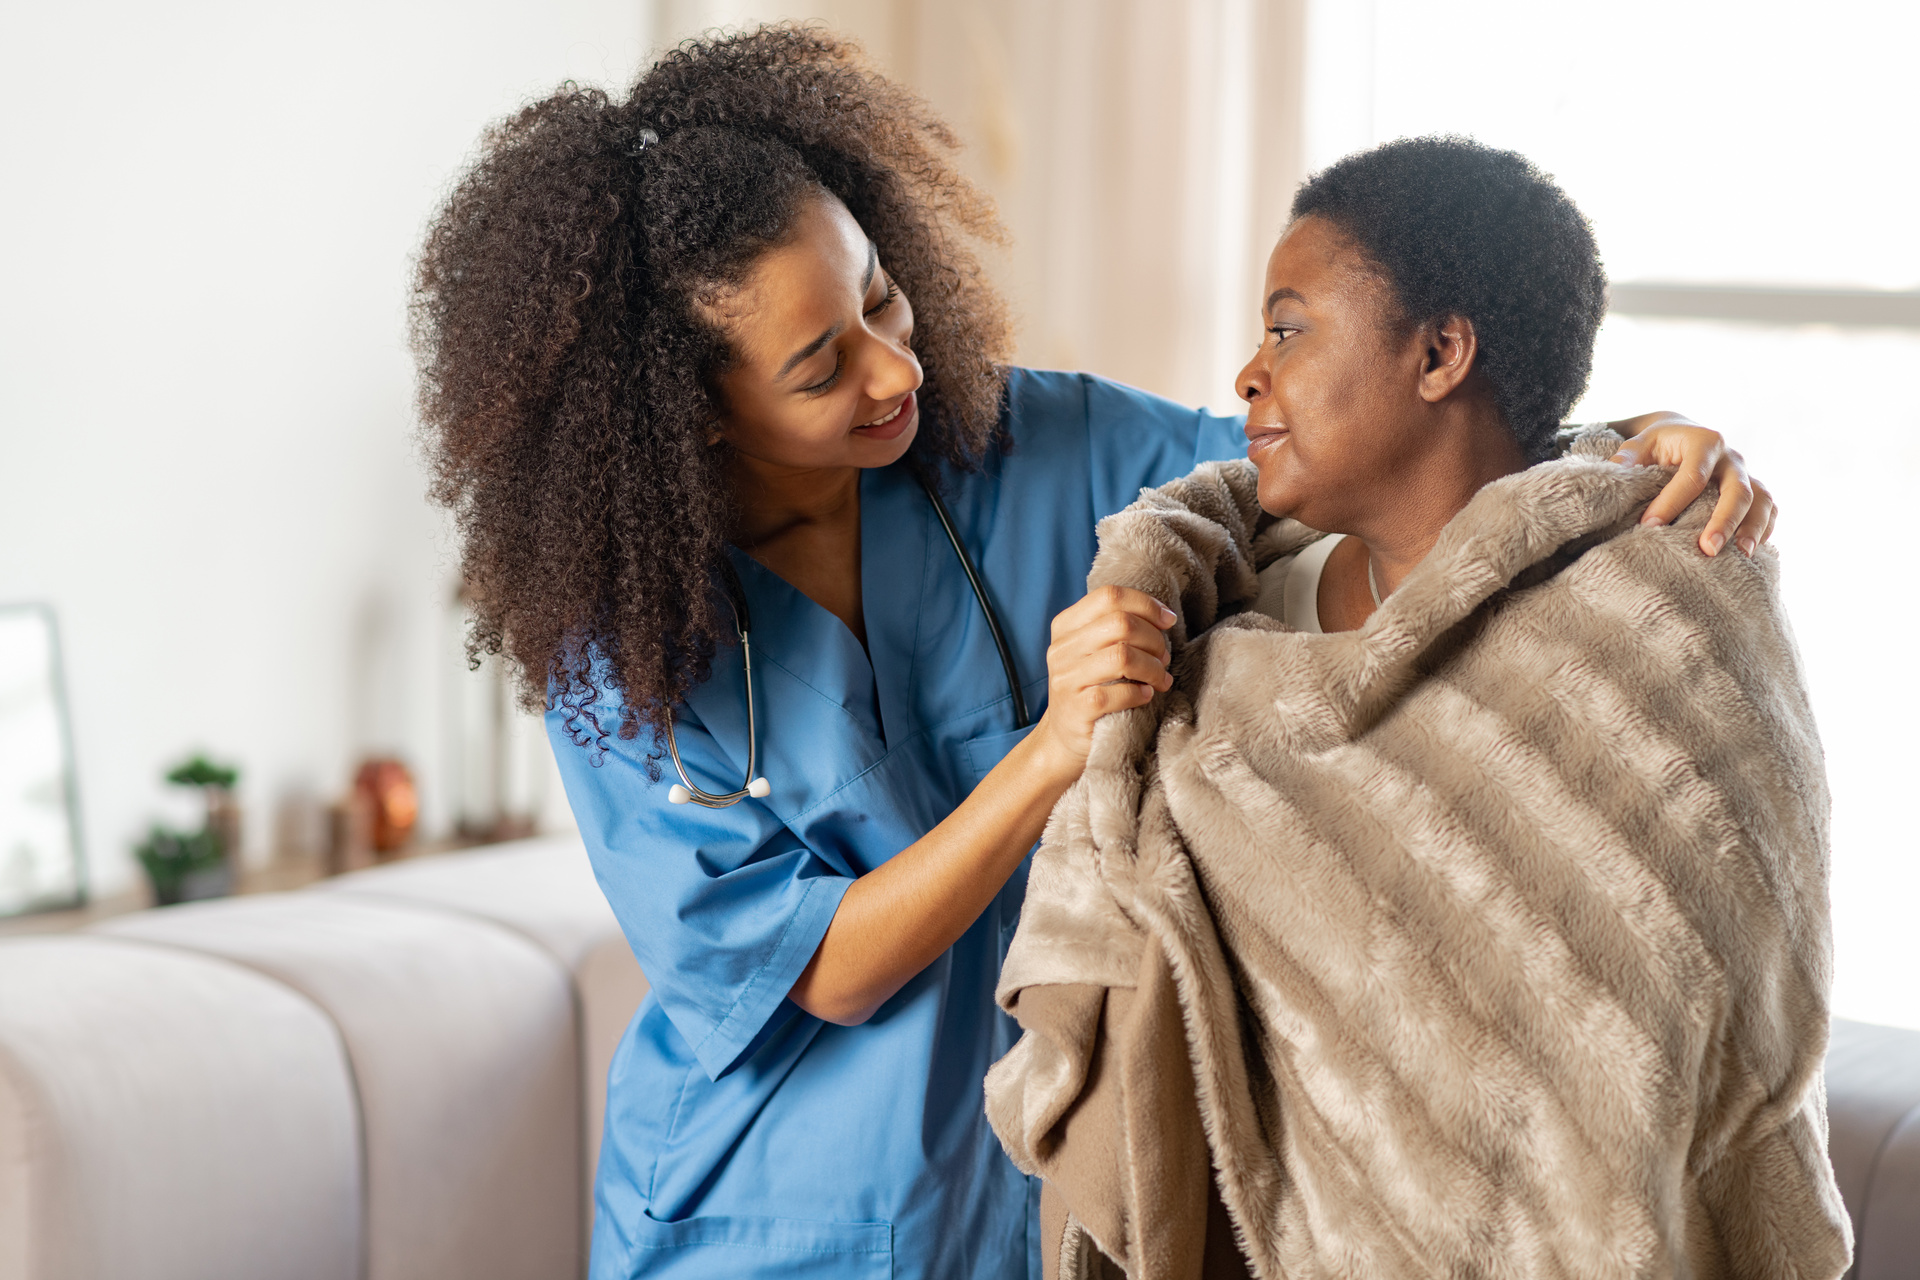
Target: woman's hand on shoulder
column 1109, row 653
column 1746, row 511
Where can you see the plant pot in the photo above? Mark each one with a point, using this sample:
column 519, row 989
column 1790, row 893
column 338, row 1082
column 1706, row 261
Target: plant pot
column 194, row 886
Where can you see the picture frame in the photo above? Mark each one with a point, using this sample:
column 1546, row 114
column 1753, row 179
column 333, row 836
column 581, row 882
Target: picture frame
column 43, row 864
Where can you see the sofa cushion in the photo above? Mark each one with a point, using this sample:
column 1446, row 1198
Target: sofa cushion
column 543, row 888
column 168, row 1116
column 1873, row 1125
column 462, row 1040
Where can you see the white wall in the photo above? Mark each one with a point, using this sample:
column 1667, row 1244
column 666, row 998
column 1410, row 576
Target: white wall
column 205, row 453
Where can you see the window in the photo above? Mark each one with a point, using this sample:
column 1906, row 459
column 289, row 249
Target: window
column 1749, row 171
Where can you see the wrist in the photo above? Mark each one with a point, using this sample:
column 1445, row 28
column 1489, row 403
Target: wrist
column 1044, row 758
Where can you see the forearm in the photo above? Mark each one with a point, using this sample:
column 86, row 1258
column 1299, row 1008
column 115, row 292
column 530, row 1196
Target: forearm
column 897, row 919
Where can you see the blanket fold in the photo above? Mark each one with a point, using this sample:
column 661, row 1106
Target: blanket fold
column 1489, row 940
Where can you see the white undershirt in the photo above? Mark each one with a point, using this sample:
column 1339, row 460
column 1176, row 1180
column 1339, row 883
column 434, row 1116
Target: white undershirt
column 1290, row 586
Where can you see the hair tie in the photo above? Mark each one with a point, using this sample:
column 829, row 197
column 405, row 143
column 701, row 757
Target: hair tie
column 647, row 138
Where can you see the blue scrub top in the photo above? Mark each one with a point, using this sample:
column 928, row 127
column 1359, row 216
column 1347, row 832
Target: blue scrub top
column 743, row 1136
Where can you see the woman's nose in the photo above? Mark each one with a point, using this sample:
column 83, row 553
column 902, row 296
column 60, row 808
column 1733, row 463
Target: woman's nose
column 1251, row 383
column 894, row 371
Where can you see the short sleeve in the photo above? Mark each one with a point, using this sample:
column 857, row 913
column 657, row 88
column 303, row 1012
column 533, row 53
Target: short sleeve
column 1141, row 441
column 723, row 907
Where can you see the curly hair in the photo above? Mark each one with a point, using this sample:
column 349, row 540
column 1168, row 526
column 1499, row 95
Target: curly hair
column 568, row 378
column 1458, row 228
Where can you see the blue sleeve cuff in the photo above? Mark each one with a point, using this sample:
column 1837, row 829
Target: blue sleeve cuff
column 723, row 1047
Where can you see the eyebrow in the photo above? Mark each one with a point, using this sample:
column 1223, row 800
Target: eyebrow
column 1283, row 292
column 813, row 348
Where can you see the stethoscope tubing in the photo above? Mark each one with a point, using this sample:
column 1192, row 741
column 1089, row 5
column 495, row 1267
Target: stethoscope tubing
column 687, row 793
column 753, row 786
column 1020, row 717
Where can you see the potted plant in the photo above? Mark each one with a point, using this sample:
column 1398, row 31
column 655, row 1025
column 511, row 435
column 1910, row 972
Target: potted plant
column 184, row 865
column 188, row 865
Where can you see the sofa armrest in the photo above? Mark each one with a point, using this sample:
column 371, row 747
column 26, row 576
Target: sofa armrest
column 464, row 1045
column 167, row 1114
column 1873, row 1124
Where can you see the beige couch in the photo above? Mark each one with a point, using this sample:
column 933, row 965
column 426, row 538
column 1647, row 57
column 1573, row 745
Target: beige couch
column 400, row 1075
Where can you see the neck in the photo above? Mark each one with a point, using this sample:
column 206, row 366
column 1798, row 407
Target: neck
column 1467, row 449
column 776, row 500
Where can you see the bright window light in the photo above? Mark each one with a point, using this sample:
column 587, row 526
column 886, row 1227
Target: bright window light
column 1763, row 144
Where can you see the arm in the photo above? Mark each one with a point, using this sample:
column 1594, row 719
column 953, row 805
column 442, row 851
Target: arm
column 1108, row 653
column 1746, row 510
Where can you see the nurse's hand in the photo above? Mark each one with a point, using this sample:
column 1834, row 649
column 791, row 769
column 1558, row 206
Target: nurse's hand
column 1109, row 652
column 1745, row 512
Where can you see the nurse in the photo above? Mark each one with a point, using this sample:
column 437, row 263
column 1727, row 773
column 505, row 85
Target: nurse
column 703, row 358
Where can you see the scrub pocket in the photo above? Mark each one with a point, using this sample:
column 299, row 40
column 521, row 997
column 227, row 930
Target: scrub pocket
column 739, row 1248
column 981, row 754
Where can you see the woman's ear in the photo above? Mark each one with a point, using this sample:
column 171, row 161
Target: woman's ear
column 1451, row 347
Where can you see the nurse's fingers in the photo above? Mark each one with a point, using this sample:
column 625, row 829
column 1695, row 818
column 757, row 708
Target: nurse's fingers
column 1071, row 669
column 1105, row 600
column 1700, row 457
column 1736, row 499
column 1757, row 526
column 1125, row 662
column 1690, row 480
column 1108, row 629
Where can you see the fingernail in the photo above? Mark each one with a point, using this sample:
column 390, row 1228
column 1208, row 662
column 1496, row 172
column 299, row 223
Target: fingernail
column 1715, row 541
column 1747, row 545
column 1170, row 616
column 1650, row 518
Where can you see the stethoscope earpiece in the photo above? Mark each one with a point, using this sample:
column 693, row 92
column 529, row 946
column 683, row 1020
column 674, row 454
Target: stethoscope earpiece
column 759, row 789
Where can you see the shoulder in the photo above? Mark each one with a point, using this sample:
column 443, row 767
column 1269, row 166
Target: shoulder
column 1069, row 431
column 1048, row 399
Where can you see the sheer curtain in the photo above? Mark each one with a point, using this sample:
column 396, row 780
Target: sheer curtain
column 1142, row 153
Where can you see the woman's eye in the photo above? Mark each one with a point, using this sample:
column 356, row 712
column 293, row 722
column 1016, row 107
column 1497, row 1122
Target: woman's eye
column 826, row 384
column 893, row 291
column 1281, row 333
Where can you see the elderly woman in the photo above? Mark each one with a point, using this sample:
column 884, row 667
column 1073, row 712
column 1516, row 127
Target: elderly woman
column 1464, row 903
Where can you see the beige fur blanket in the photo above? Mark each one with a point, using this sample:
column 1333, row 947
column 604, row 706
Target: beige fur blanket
column 1489, row 940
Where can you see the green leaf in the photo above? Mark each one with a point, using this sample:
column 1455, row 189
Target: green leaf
column 201, row 772
column 169, row 855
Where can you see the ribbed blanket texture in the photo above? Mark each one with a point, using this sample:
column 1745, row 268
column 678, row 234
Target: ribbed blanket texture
column 1489, row 940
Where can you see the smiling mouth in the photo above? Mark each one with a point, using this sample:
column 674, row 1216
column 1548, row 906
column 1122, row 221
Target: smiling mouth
column 892, row 424
column 1260, row 439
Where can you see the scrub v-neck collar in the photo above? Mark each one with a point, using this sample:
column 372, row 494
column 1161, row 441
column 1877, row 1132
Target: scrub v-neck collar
column 872, row 684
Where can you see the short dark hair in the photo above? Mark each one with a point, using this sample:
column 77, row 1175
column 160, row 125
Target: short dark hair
column 1457, row 228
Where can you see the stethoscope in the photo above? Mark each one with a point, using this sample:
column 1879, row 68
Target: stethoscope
column 684, row 791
